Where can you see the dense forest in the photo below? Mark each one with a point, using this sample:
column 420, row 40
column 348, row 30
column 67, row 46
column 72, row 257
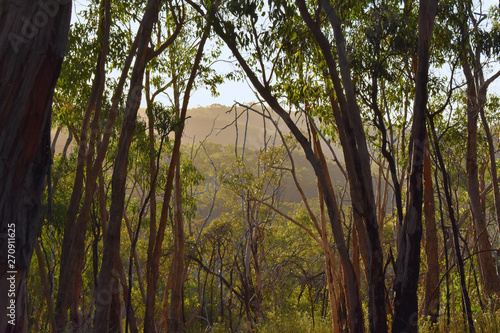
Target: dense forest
column 358, row 192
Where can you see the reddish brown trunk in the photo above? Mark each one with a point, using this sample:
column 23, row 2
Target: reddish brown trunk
column 154, row 258
column 330, row 279
column 30, row 62
column 354, row 306
column 357, row 159
column 73, row 247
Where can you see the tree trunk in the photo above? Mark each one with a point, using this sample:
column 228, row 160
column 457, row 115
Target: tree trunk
column 154, row 254
column 493, row 164
column 354, row 305
column 353, row 139
column 466, row 305
column 45, row 286
column 149, row 304
column 489, row 276
column 175, row 321
column 34, row 38
column 408, row 259
column 431, row 298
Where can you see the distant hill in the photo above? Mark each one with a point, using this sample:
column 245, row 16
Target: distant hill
column 223, row 125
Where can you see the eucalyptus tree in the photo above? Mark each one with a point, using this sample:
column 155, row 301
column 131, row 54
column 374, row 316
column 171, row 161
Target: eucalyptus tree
column 105, row 49
column 34, row 38
column 255, row 251
column 74, row 240
column 183, row 67
column 467, row 40
column 173, row 187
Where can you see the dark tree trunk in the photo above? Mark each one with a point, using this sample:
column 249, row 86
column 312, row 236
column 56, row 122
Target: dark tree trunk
column 432, row 295
column 33, row 36
column 408, row 259
column 356, row 323
column 149, row 303
column 353, row 139
column 466, row 305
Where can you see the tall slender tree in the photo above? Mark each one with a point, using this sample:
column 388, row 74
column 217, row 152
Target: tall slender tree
column 408, row 259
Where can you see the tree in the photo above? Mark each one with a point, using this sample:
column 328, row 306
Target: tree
column 34, row 40
column 75, row 231
column 408, row 260
column 321, row 225
column 431, row 301
column 348, row 119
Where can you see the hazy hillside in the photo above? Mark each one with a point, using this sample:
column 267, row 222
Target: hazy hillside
column 223, row 125
column 222, row 128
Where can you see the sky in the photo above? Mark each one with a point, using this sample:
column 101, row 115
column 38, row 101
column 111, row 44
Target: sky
column 229, row 92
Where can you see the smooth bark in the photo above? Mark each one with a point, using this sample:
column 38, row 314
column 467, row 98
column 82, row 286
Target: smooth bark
column 73, row 247
column 155, row 255
column 351, row 132
column 354, row 305
column 489, row 277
